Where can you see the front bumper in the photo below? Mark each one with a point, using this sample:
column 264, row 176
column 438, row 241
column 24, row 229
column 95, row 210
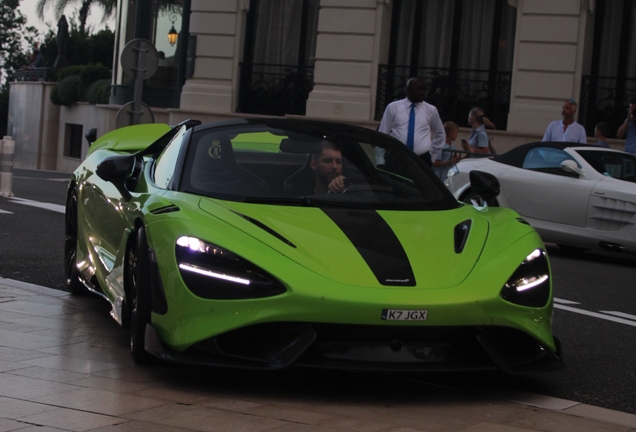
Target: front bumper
column 275, row 346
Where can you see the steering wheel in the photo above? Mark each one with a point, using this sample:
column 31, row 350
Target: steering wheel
column 359, row 183
column 350, row 182
column 357, row 187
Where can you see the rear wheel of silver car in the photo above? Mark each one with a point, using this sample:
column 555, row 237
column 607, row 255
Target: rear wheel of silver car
column 473, row 198
column 73, row 283
column 138, row 291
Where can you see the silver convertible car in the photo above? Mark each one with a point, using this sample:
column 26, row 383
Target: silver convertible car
column 580, row 197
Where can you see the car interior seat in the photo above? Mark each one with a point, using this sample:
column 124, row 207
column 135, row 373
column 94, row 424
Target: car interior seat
column 215, row 170
column 301, row 181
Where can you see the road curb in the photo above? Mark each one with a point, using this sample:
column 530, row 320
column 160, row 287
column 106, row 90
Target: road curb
column 569, row 407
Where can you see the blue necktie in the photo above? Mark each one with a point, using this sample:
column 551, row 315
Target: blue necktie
column 410, row 138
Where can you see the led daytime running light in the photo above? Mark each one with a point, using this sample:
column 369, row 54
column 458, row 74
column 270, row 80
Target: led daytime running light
column 528, row 283
column 212, row 274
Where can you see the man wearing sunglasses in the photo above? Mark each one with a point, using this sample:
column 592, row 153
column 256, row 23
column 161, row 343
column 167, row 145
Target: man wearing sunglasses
column 566, row 129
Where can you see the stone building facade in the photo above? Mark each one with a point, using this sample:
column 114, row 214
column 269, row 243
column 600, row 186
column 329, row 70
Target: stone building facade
column 344, row 60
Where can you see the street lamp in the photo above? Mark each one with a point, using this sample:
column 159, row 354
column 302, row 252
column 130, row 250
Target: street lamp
column 172, row 34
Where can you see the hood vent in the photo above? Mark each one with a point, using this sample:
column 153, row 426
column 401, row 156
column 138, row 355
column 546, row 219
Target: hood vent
column 165, row 209
column 461, row 235
column 523, row 221
column 264, row 227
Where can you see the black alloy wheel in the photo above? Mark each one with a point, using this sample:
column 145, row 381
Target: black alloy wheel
column 138, row 291
column 73, row 283
column 474, row 198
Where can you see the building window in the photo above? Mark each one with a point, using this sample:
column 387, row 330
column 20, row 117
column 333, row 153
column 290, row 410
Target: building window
column 73, row 141
column 158, row 21
column 610, row 80
column 277, row 71
column 462, row 49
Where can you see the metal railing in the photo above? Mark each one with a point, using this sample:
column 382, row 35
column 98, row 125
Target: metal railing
column 274, row 89
column 453, row 91
column 34, row 74
column 605, row 99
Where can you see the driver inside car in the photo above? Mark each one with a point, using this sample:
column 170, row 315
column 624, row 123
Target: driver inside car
column 327, row 166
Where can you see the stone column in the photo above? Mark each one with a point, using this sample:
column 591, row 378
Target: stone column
column 353, row 37
column 548, row 64
column 218, row 26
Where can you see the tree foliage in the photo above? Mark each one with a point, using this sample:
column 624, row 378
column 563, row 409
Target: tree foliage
column 16, row 39
column 82, row 48
column 107, row 6
column 16, row 43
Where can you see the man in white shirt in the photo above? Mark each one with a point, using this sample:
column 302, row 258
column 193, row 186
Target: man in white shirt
column 566, row 129
column 427, row 132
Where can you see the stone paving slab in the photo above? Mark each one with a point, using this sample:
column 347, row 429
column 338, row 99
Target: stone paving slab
column 65, row 366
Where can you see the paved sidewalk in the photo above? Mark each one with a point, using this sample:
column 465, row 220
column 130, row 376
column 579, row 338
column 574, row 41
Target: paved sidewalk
column 65, row 366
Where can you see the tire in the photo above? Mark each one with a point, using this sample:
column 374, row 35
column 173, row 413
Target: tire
column 73, row 282
column 138, row 290
column 574, row 250
column 475, row 196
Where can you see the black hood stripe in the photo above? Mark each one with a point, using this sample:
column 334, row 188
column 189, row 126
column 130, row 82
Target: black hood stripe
column 377, row 244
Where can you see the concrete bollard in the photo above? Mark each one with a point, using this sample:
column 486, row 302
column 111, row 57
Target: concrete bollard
column 7, row 150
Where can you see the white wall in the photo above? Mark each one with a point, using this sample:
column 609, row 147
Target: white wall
column 548, row 64
column 348, row 52
column 218, row 26
column 32, row 123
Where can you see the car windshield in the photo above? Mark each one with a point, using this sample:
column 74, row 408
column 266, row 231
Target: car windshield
column 289, row 162
column 621, row 166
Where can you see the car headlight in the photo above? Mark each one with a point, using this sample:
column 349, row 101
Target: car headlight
column 452, row 171
column 212, row 272
column 529, row 285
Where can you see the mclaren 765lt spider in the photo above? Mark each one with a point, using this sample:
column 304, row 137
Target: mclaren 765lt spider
column 269, row 243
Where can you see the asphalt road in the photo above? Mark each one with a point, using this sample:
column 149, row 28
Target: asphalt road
column 595, row 314
column 32, row 237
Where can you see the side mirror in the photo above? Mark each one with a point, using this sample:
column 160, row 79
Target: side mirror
column 485, row 185
column 571, row 166
column 117, row 169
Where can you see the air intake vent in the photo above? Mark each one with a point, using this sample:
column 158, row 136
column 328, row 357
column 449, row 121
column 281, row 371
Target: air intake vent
column 523, row 221
column 165, row 209
column 461, row 235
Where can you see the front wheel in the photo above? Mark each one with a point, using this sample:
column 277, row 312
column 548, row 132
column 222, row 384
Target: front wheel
column 138, row 280
column 73, row 283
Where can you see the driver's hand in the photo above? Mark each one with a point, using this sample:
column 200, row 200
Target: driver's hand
column 337, row 185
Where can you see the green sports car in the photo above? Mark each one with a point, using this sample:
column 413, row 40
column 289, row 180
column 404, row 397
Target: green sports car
column 267, row 243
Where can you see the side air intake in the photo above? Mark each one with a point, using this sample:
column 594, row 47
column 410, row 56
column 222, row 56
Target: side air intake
column 165, row 209
column 461, row 235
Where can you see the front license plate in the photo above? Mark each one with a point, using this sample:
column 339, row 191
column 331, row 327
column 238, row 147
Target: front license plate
column 404, row 315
